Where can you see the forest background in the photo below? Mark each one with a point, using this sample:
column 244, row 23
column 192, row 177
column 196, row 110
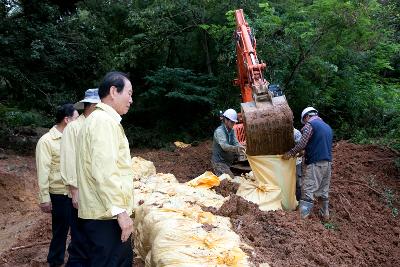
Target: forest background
column 342, row 57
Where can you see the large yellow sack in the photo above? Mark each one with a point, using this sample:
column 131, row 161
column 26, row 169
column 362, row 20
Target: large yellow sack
column 150, row 220
column 145, row 189
column 273, row 170
column 191, row 245
column 142, row 168
column 180, row 144
column 206, row 180
column 200, row 196
column 266, row 196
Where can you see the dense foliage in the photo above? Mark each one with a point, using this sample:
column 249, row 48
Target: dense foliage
column 340, row 56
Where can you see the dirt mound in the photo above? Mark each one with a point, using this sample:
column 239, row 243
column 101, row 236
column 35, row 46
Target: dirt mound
column 184, row 163
column 364, row 229
column 227, row 188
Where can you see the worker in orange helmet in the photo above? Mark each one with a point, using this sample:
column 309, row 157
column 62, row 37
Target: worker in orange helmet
column 226, row 147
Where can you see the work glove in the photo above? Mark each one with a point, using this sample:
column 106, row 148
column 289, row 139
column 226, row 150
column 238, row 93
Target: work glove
column 241, row 150
column 286, row 156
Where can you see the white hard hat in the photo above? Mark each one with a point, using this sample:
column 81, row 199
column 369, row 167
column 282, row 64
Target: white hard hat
column 230, row 114
column 306, row 111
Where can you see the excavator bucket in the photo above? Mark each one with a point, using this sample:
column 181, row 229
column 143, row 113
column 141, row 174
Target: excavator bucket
column 267, row 118
column 268, row 126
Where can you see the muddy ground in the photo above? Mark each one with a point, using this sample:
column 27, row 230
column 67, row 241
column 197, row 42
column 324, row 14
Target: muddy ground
column 364, row 229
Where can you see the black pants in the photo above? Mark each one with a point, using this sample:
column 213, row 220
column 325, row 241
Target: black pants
column 298, row 181
column 78, row 249
column 63, row 217
column 106, row 247
column 60, row 222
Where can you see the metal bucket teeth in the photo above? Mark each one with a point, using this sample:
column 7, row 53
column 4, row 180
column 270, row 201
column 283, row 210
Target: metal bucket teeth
column 268, row 126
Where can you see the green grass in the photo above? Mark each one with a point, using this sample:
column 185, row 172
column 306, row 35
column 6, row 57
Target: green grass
column 330, row 226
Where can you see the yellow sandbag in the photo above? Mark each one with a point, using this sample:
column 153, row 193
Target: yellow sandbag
column 273, row 170
column 161, row 178
column 195, row 214
column 142, row 168
column 206, row 180
column 233, row 257
column 198, row 195
column 180, row 144
column 266, row 196
column 194, row 246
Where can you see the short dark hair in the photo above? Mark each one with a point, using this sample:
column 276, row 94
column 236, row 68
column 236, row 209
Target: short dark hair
column 66, row 110
column 113, row 78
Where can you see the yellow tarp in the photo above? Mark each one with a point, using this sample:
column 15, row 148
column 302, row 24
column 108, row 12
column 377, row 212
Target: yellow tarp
column 180, row 144
column 266, row 196
column 206, row 180
column 273, row 170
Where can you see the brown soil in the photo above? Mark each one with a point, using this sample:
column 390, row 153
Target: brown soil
column 184, row 163
column 227, row 188
column 362, row 230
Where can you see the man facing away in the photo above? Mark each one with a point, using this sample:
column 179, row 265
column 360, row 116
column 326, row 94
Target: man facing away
column 317, row 138
column 52, row 191
column 78, row 251
column 105, row 176
column 225, row 144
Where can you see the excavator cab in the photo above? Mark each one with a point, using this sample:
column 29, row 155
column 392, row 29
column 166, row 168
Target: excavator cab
column 267, row 118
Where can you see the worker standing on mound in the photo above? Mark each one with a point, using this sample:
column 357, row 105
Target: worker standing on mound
column 226, row 147
column 317, row 137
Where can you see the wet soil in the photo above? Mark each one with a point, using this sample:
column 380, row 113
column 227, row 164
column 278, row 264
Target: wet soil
column 227, row 188
column 363, row 230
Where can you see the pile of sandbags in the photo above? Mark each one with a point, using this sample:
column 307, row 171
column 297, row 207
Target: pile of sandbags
column 171, row 228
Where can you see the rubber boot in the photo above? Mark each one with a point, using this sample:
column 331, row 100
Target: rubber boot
column 305, row 209
column 324, row 211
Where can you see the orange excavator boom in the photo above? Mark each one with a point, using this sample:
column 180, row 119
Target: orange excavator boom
column 267, row 127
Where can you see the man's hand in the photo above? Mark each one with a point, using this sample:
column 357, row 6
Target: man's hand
column 126, row 224
column 46, row 207
column 286, row 156
column 300, row 154
column 241, row 150
column 75, row 196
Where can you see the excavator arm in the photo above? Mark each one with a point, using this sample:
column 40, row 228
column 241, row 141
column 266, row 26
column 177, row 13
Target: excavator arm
column 267, row 127
column 250, row 71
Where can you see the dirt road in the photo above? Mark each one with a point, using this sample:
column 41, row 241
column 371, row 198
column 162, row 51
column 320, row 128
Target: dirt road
column 364, row 229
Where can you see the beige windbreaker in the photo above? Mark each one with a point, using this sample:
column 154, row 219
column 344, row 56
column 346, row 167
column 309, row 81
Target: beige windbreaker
column 48, row 165
column 105, row 177
column 69, row 150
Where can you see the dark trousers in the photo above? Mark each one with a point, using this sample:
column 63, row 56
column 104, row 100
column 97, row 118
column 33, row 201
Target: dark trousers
column 60, row 221
column 78, row 249
column 63, row 217
column 298, row 181
column 106, row 247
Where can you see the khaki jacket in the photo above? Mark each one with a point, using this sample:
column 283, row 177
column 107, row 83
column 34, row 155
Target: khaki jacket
column 105, row 177
column 68, row 151
column 48, row 165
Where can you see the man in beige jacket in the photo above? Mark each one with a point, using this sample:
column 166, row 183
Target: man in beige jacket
column 105, row 176
column 77, row 252
column 52, row 191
